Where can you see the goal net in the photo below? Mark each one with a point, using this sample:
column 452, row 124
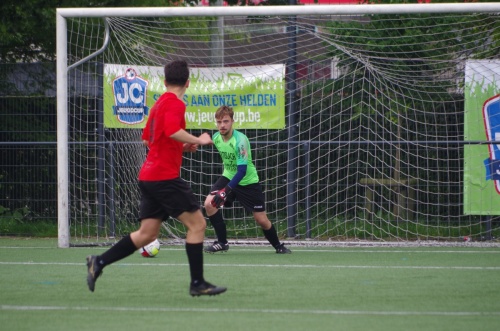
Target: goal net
column 367, row 122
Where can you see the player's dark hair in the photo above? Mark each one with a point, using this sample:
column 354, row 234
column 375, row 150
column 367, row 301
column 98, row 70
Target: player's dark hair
column 177, row 73
column 223, row 111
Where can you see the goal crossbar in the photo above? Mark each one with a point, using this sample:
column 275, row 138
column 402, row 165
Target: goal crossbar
column 281, row 10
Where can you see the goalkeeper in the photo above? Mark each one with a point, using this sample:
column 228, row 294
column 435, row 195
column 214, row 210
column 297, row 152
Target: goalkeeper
column 239, row 181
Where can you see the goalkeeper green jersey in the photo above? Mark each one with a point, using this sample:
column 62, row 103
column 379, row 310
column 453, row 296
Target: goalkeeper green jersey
column 235, row 152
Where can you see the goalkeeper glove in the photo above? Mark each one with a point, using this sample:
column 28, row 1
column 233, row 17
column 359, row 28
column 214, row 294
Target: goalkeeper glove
column 220, row 197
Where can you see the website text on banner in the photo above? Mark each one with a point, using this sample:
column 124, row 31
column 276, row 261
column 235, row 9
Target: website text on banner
column 256, row 93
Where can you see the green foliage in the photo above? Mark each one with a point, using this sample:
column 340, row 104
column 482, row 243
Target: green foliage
column 29, row 123
column 22, row 222
column 3, row 210
column 28, row 27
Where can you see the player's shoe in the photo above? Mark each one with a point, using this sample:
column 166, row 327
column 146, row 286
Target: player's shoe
column 205, row 288
column 281, row 249
column 94, row 270
column 217, row 247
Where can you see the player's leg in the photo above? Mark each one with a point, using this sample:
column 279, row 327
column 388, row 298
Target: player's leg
column 196, row 225
column 151, row 213
column 184, row 206
column 270, row 232
column 216, row 220
column 147, row 233
column 252, row 199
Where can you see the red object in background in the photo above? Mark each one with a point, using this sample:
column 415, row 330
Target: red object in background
column 206, row 3
column 344, row 2
column 312, row 2
column 330, row 2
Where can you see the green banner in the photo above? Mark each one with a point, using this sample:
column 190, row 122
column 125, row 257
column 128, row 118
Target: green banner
column 482, row 123
column 256, row 93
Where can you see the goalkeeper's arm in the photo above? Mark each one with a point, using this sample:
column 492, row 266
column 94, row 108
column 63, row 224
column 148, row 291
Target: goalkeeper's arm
column 241, row 172
column 221, row 195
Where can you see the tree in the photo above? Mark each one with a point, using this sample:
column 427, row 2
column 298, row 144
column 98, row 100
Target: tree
column 28, row 27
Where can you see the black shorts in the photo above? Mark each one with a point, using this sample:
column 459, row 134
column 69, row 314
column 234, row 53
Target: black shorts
column 250, row 196
column 161, row 199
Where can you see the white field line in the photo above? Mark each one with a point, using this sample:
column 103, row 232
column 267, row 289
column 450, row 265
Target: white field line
column 361, row 250
column 250, row 311
column 307, row 266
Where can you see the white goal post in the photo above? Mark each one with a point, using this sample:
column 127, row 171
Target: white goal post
column 370, row 148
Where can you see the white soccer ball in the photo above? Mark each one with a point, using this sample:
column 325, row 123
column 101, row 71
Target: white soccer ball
column 151, row 249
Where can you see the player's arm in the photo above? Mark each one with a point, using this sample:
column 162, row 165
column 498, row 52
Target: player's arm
column 187, row 138
column 147, row 132
column 174, row 127
column 240, row 173
column 146, row 135
column 190, row 148
column 242, row 151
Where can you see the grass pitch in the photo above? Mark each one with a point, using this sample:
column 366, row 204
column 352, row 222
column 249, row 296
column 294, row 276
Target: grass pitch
column 314, row 288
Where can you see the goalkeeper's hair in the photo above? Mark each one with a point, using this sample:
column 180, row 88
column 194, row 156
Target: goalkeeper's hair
column 176, row 73
column 223, row 111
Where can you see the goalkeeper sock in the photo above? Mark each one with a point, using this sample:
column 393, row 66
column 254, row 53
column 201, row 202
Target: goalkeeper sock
column 219, row 226
column 272, row 236
column 120, row 250
column 195, row 259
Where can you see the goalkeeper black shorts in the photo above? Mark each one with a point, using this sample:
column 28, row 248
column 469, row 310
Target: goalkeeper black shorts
column 249, row 196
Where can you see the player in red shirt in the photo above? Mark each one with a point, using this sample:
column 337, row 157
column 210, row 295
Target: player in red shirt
column 163, row 192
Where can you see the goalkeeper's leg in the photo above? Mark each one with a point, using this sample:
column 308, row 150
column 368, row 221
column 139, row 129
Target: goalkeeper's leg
column 270, row 232
column 216, row 219
column 221, row 245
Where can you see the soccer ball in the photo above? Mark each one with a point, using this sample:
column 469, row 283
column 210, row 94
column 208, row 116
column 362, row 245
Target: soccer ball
column 151, row 249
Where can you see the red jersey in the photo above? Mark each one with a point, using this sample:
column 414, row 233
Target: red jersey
column 165, row 154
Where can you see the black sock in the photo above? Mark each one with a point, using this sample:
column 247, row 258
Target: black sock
column 118, row 251
column 219, row 226
column 195, row 259
column 272, row 236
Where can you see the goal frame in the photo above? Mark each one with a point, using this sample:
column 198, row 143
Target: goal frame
column 63, row 68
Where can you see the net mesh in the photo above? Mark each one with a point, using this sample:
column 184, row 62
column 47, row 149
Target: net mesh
column 373, row 146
